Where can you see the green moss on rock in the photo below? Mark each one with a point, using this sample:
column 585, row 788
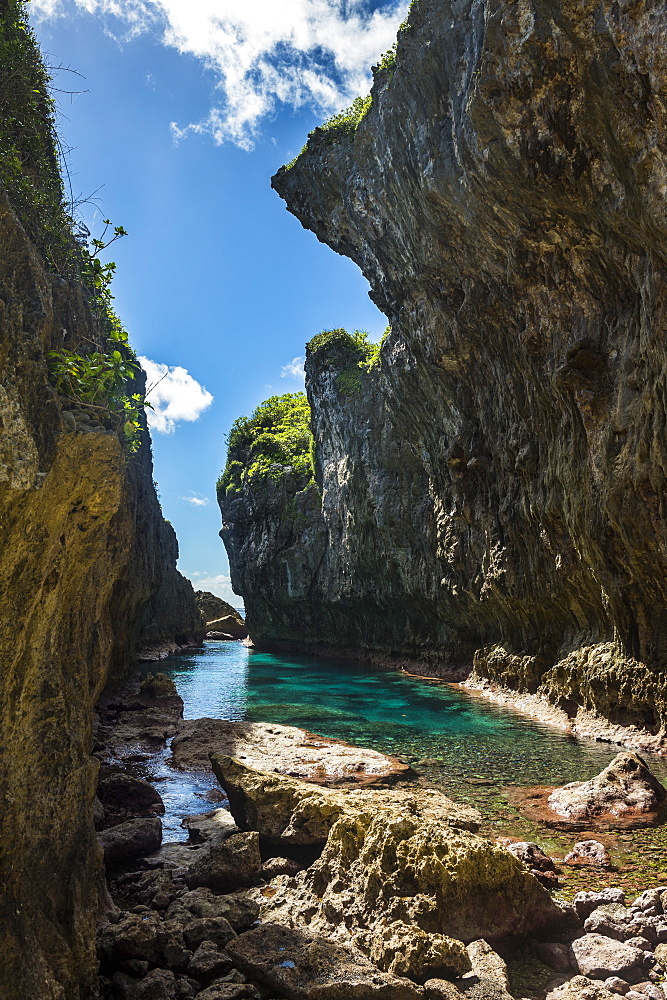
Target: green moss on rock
column 277, row 436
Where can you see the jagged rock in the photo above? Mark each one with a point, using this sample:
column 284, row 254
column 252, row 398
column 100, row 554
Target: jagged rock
column 581, row 988
column 389, row 856
column 240, row 911
column 228, row 991
column 225, row 864
column 302, row 967
column 405, row 950
column 284, row 750
column 157, row 686
column 213, row 607
column 589, row 852
column 534, row 858
column 125, row 797
column 208, row 961
column 600, row 957
column 231, row 625
column 286, row 810
column 160, row 984
column 213, row 825
column 280, row 866
column 661, row 955
column 554, row 955
column 586, row 902
column 626, row 789
column 142, row 936
column 487, row 964
column 132, row 838
column 610, row 919
column 217, row 930
column 441, row 989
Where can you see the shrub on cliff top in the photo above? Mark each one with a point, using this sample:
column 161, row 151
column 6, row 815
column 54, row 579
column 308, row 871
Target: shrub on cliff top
column 351, row 353
column 275, row 436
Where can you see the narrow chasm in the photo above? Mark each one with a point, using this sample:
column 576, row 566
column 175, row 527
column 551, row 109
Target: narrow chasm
column 329, row 799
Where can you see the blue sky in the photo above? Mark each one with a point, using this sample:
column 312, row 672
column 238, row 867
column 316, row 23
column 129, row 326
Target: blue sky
column 190, row 107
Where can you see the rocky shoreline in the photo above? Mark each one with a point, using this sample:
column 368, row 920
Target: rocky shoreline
column 335, row 888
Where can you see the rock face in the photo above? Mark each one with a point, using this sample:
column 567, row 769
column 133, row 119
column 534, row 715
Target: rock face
column 397, row 866
column 81, row 555
column 213, row 607
column 492, row 488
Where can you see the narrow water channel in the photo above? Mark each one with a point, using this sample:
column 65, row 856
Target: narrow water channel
column 471, row 749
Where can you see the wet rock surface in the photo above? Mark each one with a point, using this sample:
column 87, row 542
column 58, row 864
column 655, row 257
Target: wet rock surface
column 283, row 749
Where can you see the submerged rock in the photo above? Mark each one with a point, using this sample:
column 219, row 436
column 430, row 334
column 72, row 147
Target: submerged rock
column 626, row 789
column 283, row 749
column 589, row 852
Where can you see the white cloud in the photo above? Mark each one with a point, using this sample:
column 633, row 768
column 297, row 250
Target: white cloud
column 174, row 395
column 263, row 53
column 197, row 500
column 294, row 369
column 218, row 584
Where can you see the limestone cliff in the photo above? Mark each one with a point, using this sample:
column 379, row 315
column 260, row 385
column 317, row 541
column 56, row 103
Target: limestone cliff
column 82, row 551
column 494, row 489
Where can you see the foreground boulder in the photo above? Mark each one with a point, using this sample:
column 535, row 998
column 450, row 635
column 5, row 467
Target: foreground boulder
column 286, row 810
column 124, row 797
column 226, row 863
column 302, row 967
column 130, row 839
column 600, row 957
column 389, row 856
column 626, row 789
column 283, row 749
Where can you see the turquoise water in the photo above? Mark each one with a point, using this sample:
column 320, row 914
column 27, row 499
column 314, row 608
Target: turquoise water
column 462, row 744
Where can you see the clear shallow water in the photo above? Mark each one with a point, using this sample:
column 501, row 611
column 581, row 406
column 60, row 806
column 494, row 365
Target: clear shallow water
column 464, row 745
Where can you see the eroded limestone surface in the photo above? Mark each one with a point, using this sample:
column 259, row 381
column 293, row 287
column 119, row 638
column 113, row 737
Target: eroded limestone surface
column 396, row 864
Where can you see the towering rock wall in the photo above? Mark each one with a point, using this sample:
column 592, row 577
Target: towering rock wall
column 81, row 554
column 495, row 489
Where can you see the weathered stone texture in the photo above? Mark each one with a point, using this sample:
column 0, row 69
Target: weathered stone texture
column 497, row 484
column 81, row 554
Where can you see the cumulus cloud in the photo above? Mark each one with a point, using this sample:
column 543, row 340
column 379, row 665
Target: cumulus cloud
column 218, row 584
column 174, row 395
column 196, row 499
column 294, row 369
column 263, row 53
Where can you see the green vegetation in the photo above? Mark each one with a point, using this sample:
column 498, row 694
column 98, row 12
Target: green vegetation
column 29, row 167
column 352, row 353
column 339, row 126
column 31, row 178
column 259, row 447
column 405, row 26
column 100, row 381
column 387, row 59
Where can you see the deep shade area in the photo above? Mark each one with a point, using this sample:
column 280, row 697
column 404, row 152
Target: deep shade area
column 466, row 746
